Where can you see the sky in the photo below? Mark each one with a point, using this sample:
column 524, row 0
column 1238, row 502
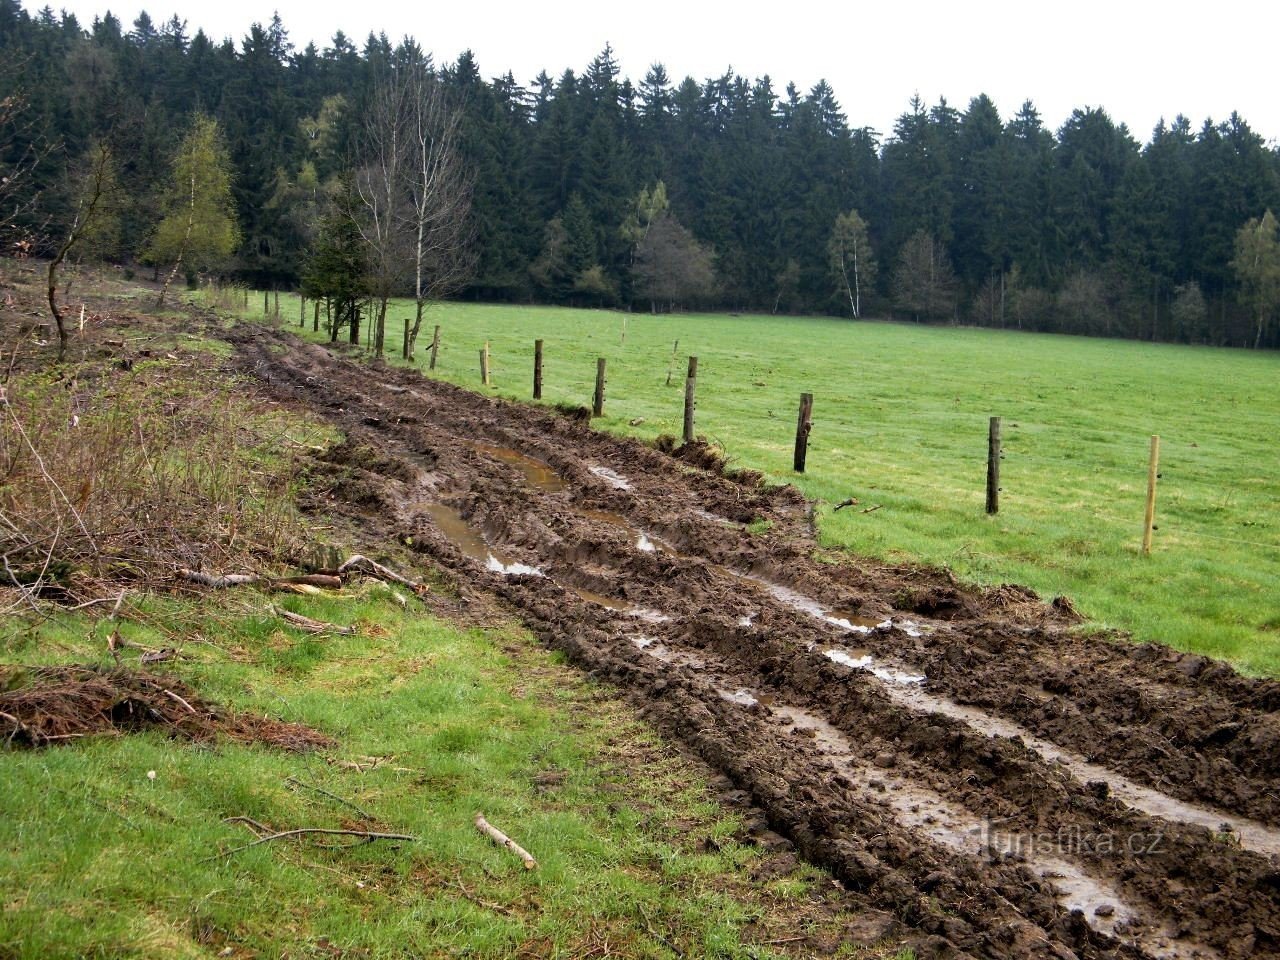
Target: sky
column 1138, row 61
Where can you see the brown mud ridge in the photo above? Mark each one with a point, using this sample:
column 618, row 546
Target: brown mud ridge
column 47, row 706
column 953, row 755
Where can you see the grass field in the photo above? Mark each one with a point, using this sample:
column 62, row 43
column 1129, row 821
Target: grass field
column 116, row 846
column 900, row 419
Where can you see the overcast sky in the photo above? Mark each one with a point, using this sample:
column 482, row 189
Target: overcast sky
column 1139, row 61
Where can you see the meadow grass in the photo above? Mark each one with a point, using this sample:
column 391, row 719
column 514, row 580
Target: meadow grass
column 900, row 420
column 116, row 846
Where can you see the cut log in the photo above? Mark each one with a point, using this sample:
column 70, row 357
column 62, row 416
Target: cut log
column 502, row 840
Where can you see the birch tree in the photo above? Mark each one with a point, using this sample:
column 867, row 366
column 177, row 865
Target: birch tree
column 198, row 228
column 438, row 190
column 849, row 254
column 95, row 207
column 1257, row 265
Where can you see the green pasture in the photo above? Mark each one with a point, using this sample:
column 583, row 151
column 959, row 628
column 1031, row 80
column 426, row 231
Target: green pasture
column 900, row 420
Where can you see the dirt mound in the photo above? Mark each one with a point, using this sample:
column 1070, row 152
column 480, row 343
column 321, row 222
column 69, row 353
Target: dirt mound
column 50, row 705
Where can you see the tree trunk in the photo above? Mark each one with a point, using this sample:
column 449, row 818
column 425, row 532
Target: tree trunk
column 182, row 250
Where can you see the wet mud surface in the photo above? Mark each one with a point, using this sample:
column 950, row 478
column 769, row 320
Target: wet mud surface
column 955, row 756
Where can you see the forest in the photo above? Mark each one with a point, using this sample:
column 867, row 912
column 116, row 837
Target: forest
column 584, row 188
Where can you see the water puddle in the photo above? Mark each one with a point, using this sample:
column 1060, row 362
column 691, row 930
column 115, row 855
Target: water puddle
column 512, row 569
column 919, row 808
column 645, row 542
column 863, row 660
column 660, row 651
column 848, row 622
column 472, row 544
column 537, row 472
column 644, row 614
column 611, row 477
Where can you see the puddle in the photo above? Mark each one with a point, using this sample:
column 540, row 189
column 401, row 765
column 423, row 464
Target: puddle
column 742, row 697
column 921, row 809
column 646, row 614
column 512, row 569
column 850, row 623
column 660, row 651
column 1252, row 835
column 537, row 472
column 863, row 660
column 472, row 545
column 611, row 477
column 645, row 542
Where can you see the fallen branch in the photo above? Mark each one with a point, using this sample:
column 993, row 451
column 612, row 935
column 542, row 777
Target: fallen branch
column 295, row 782
column 309, row 625
column 374, row 569
column 326, row 581
column 500, row 838
column 222, row 581
column 851, row 502
column 218, row 582
column 366, row 836
column 175, row 697
column 873, row 509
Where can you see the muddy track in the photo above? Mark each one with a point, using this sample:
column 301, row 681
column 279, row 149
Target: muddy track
column 953, row 755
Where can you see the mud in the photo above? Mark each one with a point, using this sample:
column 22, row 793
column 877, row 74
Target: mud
column 956, row 756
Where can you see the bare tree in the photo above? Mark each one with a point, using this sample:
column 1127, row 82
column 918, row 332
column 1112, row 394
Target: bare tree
column 97, row 195
column 439, row 184
column 415, row 193
column 379, row 181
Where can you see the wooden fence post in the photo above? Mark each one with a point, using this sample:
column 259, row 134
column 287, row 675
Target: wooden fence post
column 690, row 383
column 277, row 305
column 1153, row 474
column 302, row 311
column 671, row 364
column 435, row 347
column 315, row 316
column 404, row 354
column 597, row 401
column 537, row 369
column 993, row 466
column 266, row 303
column 803, row 425
column 484, row 364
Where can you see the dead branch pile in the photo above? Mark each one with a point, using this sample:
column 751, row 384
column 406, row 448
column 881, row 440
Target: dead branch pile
column 50, row 705
column 126, row 475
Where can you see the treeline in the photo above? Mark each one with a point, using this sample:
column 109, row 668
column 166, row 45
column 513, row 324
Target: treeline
column 728, row 193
